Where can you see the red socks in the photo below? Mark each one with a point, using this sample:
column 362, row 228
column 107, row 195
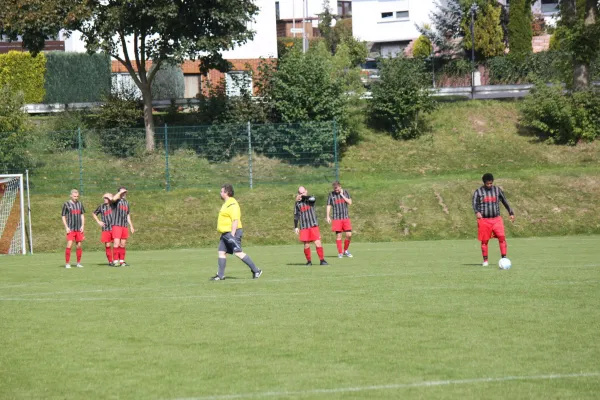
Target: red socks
column 67, row 255
column 109, row 254
column 346, row 244
column 339, row 246
column 307, row 254
column 320, row 253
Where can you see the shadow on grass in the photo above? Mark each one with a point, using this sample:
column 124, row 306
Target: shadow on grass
column 471, row 265
column 298, row 264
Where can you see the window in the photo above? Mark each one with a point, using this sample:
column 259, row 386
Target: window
column 401, row 14
column 238, row 83
column 277, row 15
column 387, row 15
column 549, row 6
column 344, row 9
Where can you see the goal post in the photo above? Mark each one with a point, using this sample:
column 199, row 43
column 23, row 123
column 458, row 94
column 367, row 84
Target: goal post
column 12, row 215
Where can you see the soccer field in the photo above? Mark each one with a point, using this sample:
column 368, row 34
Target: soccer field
column 418, row 320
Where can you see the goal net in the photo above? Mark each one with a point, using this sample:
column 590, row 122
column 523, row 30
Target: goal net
column 12, row 215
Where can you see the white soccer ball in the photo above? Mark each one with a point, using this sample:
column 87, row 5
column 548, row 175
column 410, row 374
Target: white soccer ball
column 504, row 263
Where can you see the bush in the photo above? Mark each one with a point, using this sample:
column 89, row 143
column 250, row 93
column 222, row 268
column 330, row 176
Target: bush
column 422, row 47
column 400, row 98
column 64, row 129
column 513, row 69
column 168, row 83
column 115, row 126
column 24, row 73
column 14, row 136
column 488, row 31
column 77, row 77
column 562, row 118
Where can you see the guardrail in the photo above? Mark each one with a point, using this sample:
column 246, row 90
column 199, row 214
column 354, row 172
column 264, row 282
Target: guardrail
column 482, row 92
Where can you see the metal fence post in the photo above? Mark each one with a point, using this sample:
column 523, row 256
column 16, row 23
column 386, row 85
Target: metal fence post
column 335, row 151
column 249, row 153
column 167, row 176
column 80, row 160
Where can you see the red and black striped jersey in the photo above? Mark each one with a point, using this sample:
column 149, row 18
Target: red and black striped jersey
column 339, row 207
column 304, row 213
column 105, row 212
column 487, row 202
column 120, row 213
column 73, row 210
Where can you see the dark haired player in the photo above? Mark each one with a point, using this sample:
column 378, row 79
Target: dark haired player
column 105, row 211
column 306, row 224
column 74, row 222
column 338, row 201
column 229, row 225
column 120, row 226
column 486, row 204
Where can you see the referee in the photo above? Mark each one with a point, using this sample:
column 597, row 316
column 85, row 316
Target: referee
column 229, row 225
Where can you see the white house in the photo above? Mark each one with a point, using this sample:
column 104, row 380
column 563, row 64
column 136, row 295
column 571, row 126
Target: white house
column 388, row 26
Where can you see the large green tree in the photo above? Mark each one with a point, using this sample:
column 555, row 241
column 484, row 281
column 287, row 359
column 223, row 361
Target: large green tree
column 519, row 27
column 136, row 32
column 488, row 31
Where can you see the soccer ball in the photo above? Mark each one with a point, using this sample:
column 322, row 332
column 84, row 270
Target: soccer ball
column 504, row 263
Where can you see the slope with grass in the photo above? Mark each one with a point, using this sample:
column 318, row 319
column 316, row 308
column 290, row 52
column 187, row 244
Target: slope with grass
column 419, row 189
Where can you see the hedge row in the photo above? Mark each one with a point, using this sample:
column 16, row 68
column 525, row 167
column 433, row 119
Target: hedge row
column 23, row 73
column 57, row 77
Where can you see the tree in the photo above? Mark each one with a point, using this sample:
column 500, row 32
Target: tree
column 422, row 47
column 446, row 23
column 401, row 97
column 578, row 34
column 140, row 32
column 488, row 32
column 36, row 21
column 519, row 27
column 341, row 33
column 169, row 83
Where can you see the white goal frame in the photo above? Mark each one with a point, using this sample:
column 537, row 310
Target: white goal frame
column 4, row 203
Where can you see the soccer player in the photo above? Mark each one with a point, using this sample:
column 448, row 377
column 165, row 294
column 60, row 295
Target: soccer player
column 121, row 221
column 339, row 200
column 229, row 225
column 305, row 216
column 486, row 204
column 73, row 219
column 105, row 210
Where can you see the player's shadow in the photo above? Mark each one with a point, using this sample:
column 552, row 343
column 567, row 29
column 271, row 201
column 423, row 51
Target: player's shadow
column 298, row 264
column 472, row 265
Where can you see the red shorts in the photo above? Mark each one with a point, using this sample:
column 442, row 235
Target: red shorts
column 310, row 234
column 120, row 232
column 341, row 225
column 76, row 236
column 490, row 227
column 106, row 237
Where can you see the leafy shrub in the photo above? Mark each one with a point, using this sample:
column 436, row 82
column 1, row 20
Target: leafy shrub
column 24, row 73
column 562, row 118
column 115, row 122
column 64, row 127
column 400, row 98
column 77, row 77
column 168, row 83
column 422, row 47
column 488, row 31
column 513, row 69
column 14, row 136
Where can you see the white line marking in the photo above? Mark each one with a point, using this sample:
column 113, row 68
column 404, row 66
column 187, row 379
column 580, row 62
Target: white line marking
column 391, row 386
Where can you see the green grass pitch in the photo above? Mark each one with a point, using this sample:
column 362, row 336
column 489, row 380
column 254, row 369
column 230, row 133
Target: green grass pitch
column 418, row 320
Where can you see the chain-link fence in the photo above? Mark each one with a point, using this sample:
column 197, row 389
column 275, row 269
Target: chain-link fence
column 184, row 157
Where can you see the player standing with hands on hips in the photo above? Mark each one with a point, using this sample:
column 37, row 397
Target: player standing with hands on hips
column 339, row 200
column 486, row 204
column 229, row 225
column 74, row 222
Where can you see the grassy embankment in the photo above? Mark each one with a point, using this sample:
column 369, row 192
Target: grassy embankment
column 403, row 190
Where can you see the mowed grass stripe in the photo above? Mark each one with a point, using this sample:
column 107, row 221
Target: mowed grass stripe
column 398, row 313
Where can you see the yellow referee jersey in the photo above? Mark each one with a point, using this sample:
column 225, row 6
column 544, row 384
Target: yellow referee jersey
column 230, row 211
